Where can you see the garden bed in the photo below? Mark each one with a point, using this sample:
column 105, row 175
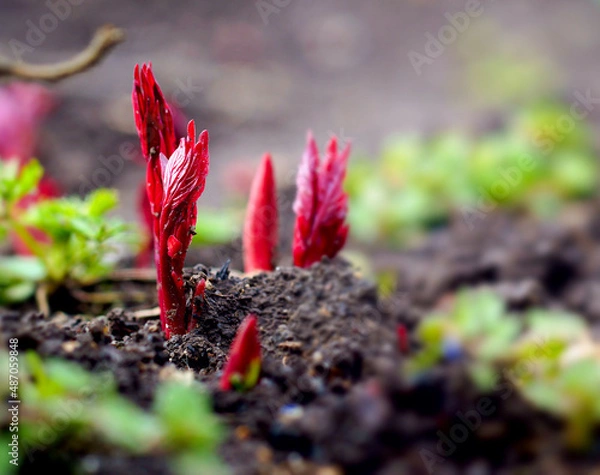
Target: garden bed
column 334, row 396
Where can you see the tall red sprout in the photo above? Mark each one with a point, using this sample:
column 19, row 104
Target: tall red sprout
column 156, row 130
column 175, row 179
column 174, row 193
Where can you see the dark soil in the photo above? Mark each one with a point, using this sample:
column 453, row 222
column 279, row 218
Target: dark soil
column 333, row 398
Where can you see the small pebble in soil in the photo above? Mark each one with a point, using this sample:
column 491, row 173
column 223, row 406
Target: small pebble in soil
column 452, row 349
column 290, row 413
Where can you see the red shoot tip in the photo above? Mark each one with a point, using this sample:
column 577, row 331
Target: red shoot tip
column 321, row 204
column 260, row 227
column 403, row 343
column 154, row 123
column 152, row 114
column 242, row 369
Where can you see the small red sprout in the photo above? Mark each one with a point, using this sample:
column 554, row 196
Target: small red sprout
column 242, row 369
column 260, row 227
column 197, row 301
column 173, row 194
column 156, row 130
column 321, row 204
column 403, row 343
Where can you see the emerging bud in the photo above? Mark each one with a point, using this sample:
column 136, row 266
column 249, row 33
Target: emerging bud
column 260, row 228
column 403, row 343
column 242, row 369
column 321, row 204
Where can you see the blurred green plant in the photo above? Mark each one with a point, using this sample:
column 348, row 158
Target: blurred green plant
column 548, row 356
column 67, row 239
column 536, row 163
column 64, row 407
column 217, row 227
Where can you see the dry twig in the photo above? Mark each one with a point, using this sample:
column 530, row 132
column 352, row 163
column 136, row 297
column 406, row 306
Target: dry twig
column 105, row 38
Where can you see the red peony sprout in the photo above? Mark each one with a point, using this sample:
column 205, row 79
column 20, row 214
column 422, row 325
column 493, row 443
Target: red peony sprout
column 321, row 204
column 260, row 228
column 155, row 126
column 173, row 190
column 403, row 342
column 242, row 369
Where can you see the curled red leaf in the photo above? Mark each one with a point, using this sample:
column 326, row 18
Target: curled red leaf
column 321, row 204
column 182, row 179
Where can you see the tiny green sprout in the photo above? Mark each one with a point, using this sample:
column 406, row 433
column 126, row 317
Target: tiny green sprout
column 418, row 183
column 59, row 240
column 83, row 411
column 477, row 327
column 548, row 356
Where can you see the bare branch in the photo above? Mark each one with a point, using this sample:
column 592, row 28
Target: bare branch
column 105, row 39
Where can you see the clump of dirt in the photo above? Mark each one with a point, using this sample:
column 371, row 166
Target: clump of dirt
column 319, row 316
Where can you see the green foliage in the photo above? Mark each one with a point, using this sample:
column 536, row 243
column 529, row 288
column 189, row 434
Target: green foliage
column 15, row 183
column 476, row 325
column 535, row 163
column 65, row 406
column 19, row 276
column 216, row 227
column 69, row 238
column 81, row 235
column 549, row 356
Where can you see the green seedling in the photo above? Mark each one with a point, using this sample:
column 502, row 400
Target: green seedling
column 548, row 356
column 60, row 240
column 66, row 407
column 533, row 164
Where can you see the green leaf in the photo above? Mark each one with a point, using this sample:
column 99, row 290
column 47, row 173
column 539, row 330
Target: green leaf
column 186, row 413
column 30, row 175
column 545, row 325
column 191, row 463
column 19, row 268
column 124, row 424
column 216, row 227
column 83, row 240
column 101, row 201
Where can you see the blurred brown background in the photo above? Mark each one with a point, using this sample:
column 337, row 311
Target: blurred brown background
column 258, row 74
